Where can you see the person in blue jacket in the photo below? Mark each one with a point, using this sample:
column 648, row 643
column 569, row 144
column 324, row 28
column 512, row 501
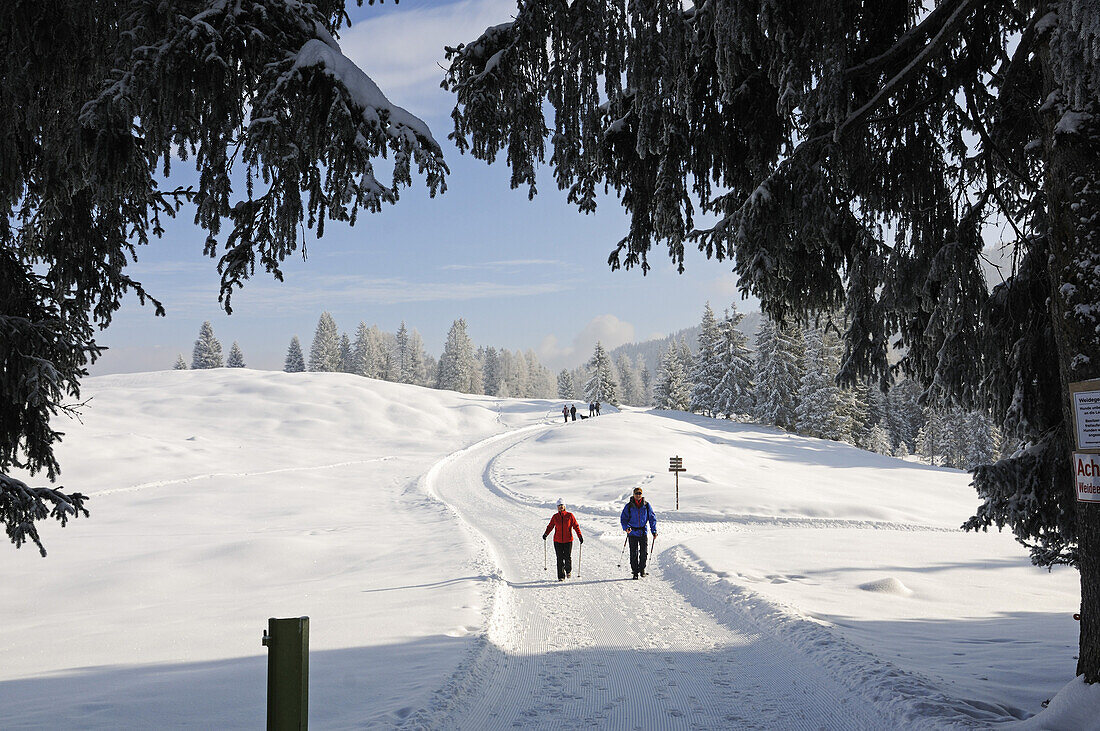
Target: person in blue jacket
column 635, row 515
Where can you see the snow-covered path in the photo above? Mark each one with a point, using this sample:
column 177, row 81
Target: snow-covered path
column 601, row 649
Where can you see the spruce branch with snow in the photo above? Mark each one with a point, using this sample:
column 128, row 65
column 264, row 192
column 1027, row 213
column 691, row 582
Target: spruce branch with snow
column 99, row 100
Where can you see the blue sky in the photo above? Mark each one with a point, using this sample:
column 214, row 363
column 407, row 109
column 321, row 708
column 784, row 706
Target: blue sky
column 524, row 274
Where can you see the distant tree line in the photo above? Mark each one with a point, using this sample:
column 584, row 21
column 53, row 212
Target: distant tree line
column 789, row 379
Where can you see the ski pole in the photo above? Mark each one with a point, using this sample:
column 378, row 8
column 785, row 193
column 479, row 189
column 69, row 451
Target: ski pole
column 652, row 546
column 623, row 552
column 544, row 553
column 580, row 549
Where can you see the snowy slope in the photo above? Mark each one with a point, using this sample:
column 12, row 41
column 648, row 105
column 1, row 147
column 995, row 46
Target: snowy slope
column 801, row 583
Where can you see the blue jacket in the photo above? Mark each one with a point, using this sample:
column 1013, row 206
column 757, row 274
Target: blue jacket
column 635, row 517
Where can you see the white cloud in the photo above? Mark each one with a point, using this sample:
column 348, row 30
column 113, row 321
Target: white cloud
column 606, row 329
column 402, row 51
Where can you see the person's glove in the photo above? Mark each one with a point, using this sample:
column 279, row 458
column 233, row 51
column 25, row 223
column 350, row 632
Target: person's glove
column 544, row 536
column 581, row 538
column 654, row 534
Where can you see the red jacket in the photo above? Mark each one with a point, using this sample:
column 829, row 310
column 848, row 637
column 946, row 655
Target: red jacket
column 562, row 523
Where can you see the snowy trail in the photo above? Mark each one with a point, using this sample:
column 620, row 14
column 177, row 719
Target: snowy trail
column 563, row 655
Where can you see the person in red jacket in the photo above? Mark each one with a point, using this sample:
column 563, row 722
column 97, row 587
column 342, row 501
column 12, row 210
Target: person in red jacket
column 563, row 523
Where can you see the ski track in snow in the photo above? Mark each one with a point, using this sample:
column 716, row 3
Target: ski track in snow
column 574, row 654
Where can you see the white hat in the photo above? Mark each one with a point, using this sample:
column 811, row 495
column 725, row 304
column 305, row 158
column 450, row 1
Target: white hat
column 561, row 502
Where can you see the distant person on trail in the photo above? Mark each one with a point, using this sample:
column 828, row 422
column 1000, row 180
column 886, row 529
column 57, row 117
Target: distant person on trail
column 591, row 408
column 565, row 412
column 597, row 408
column 633, row 519
column 573, row 412
column 563, row 523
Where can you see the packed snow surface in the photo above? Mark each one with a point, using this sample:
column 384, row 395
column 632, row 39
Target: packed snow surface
column 800, row 584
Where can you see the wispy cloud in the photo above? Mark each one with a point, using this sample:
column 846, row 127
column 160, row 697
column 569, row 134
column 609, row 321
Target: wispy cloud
column 498, row 265
column 320, row 291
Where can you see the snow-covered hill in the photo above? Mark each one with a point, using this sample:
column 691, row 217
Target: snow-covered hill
column 406, row 523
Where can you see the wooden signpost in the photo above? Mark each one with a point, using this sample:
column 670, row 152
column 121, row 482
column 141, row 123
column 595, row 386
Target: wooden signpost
column 676, row 464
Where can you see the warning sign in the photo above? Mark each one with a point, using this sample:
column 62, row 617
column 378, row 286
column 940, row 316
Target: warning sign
column 1086, row 469
column 1086, row 414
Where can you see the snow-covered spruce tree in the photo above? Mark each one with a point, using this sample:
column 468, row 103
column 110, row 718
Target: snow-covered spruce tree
column 295, row 362
column 421, row 368
column 709, row 368
column 818, row 395
column 631, row 390
column 734, row 393
column 236, row 357
column 458, row 366
column 672, row 390
column 567, row 389
column 779, row 352
column 647, row 381
column 347, row 361
column 366, row 353
column 803, row 139
column 878, row 440
column 181, row 364
column 96, row 101
column 601, row 385
column 207, row 352
column 403, row 369
column 904, row 415
column 324, row 354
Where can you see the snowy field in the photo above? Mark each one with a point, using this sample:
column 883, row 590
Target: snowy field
column 801, row 584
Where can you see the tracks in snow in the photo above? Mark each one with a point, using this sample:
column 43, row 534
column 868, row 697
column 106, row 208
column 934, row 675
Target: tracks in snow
column 602, row 650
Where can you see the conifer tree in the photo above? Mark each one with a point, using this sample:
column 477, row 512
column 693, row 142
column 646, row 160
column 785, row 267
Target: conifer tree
column 708, row 370
column 601, row 385
column 818, row 395
column 904, row 415
column 458, row 366
column 236, row 357
column 181, row 364
column 295, row 362
column 421, row 372
column 779, row 353
column 346, row 355
column 324, row 354
column 404, row 369
column 632, row 390
column 734, row 392
column 877, row 440
column 672, row 390
column 647, row 381
column 566, row 388
column 207, row 352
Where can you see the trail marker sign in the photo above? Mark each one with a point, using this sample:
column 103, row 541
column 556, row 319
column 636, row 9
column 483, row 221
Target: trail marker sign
column 1085, row 405
column 676, row 464
column 1086, row 476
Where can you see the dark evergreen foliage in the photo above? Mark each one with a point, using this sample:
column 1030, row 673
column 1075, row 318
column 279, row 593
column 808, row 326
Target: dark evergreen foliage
column 97, row 100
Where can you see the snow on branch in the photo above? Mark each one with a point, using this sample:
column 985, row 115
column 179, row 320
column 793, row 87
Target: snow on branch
column 377, row 109
column 22, row 505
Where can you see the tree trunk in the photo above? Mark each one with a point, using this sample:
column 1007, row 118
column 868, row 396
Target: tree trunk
column 1072, row 186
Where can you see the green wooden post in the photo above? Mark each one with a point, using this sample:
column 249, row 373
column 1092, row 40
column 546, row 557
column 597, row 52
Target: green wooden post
column 287, row 641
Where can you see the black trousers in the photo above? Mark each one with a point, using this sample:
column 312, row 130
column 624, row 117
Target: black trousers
column 639, row 551
column 565, row 558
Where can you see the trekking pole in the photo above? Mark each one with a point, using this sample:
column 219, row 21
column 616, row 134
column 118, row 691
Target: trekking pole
column 580, row 550
column 544, row 553
column 652, row 546
column 623, row 552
